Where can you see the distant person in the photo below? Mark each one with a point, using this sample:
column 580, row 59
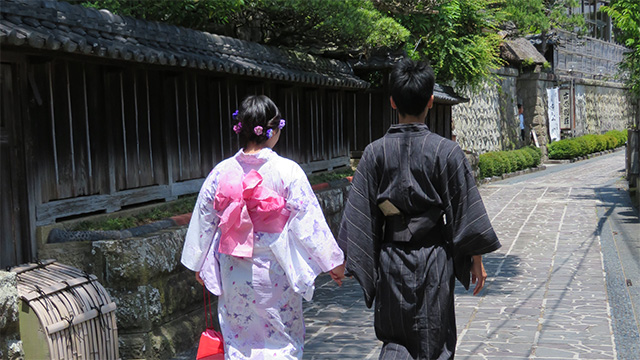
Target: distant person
column 258, row 239
column 413, row 219
column 521, row 118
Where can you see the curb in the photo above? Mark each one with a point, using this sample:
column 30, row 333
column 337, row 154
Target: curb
column 585, row 157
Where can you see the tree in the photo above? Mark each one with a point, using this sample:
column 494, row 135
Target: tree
column 541, row 16
column 462, row 52
column 626, row 18
column 459, row 37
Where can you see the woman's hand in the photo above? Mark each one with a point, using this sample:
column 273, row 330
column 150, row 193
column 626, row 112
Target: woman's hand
column 199, row 279
column 337, row 274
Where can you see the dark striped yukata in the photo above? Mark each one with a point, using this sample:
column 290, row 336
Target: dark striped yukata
column 408, row 262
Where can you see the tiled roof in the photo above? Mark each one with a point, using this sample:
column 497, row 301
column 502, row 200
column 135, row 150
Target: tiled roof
column 60, row 26
column 445, row 95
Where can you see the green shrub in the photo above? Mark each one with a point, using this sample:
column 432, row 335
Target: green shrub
column 563, row 149
column 486, row 164
column 621, row 136
column 510, row 163
column 601, row 143
column 612, row 142
column 529, row 161
column 501, row 162
column 592, row 143
column 535, row 152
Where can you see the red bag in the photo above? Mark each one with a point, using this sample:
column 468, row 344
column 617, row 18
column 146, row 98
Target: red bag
column 211, row 345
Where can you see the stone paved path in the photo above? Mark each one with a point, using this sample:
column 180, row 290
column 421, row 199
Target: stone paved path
column 552, row 287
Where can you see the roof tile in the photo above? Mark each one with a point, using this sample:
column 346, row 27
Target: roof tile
column 60, row 26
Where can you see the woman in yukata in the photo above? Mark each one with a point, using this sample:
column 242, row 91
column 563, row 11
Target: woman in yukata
column 258, row 239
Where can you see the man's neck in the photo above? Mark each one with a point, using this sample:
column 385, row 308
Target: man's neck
column 410, row 119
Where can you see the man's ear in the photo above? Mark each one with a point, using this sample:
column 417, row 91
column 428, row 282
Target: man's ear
column 393, row 103
column 430, row 103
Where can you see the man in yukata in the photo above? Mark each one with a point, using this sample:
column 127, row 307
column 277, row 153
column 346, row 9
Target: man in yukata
column 414, row 221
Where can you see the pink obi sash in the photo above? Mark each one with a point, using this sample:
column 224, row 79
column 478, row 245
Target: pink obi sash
column 245, row 208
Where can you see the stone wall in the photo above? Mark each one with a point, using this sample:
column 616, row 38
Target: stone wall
column 10, row 345
column 159, row 303
column 532, row 91
column 489, row 122
column 602, row 106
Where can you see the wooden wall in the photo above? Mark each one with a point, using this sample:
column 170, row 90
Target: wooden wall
column 108, row 137
column 374, row 116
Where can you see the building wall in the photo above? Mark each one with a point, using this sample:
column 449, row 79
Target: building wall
column 601, row 107
column 489, row 122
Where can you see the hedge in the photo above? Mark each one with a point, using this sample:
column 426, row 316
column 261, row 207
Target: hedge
column 500, row 162
column 587, row 144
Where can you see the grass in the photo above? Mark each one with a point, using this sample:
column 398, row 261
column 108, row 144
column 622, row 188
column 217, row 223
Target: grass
column 330, row 176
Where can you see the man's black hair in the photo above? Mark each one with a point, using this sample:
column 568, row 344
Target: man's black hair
column 411, row 84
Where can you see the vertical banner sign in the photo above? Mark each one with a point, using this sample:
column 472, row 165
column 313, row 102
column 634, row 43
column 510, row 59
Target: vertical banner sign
column 554, row 114
column 564, row 96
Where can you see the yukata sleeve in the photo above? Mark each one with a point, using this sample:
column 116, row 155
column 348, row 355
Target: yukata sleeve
column 467, row 223
column 306, row 246
column 361, row 226
column 202, row 227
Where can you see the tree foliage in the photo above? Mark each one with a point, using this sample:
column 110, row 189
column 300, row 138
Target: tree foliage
column 194, row 14
column 457, row 37
column 460, row 40
column 540, row 16
column 626, row 18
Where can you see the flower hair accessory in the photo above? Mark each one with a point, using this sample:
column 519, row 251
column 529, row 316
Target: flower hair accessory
column 257, row 130
column 234, row 115
column 237, row 128
column 282, row 124
column 269, row 133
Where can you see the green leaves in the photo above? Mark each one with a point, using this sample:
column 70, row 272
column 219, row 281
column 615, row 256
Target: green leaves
column 626, row 18
column 459, row 40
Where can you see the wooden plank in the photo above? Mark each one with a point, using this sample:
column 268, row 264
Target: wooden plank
column 325, row 164
column 97, row 129
column 130, row 134
column 143, row 195
column 111, row 116
column 157, row 126
column 63, row 131
column 48, row 213
column 186, row 187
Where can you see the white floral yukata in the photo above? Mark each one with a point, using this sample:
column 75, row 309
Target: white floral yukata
column 260, row 297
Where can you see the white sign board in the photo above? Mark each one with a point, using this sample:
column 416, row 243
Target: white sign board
column 554, row 113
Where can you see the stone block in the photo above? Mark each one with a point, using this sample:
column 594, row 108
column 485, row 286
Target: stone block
column 77, row 254
column 333, row 201
column 179, row 293
column 10, row 345
column 130, row 262
column 8, row 303
column 132, row 312
column 133, row 346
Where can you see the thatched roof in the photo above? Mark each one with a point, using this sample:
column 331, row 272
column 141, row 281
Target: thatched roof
column 521, row 50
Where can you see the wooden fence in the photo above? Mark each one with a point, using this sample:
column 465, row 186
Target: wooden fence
column 108, row 137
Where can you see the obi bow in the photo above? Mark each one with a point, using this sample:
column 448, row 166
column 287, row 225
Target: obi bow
column 244, row 208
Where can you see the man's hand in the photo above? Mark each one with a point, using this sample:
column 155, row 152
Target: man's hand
column 478, row 275
column 337, row 274
column 199, row 279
